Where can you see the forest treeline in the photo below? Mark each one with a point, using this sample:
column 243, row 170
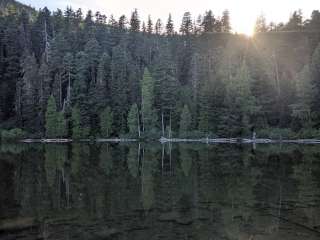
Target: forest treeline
column 69, row 74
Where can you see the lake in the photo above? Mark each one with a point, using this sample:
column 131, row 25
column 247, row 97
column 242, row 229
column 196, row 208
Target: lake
column 153, row 191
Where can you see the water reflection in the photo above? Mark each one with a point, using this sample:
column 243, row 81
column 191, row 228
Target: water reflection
column 145, row 191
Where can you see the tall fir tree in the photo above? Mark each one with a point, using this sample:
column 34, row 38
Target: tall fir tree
column 185, row 122
column 170, row 26
column 147, row 102
column 133, row 121
column 106, row 122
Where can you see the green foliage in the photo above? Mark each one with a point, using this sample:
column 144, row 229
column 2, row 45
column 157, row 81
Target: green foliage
column 12, row 135
column 276, row 133
column 301, row 109
column 51, row 118
column 133, row 121
column 229, row 82
column 77, row 131
column 240, row 104
column 55, row 121
column 106, row 121
column 149, row 116
column 185, row 122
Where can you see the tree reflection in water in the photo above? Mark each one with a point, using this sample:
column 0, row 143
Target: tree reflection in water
column 144, row 191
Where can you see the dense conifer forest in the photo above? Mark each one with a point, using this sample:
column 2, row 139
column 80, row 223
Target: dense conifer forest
column 69, row 74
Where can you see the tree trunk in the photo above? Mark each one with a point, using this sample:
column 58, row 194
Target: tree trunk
column 162, row 122
column 139, row 131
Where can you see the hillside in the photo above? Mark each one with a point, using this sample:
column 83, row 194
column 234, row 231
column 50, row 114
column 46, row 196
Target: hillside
column 6, row 5
column 66, row 75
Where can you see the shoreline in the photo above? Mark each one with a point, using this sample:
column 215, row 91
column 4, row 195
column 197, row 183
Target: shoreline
column 163, row 140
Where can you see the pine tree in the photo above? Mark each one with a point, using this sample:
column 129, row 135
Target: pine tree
column 261, row 25
column 61, row 125
column 55, row 121
column 28, row 98
column 208, row 22
column 144, row 28
column 135, row 22
column 76, row 123
column 122, row 23
column 295, row 22
column 80, row 89
column 301, row 110
column 106, row 121
column 225, row 22
column 68, row 76
column 186, row 25
column 92, row 50
column 119, row 87
column 314, row 22
column 149, row 25
column 158, row 27
column 169, row 26
column 51, row 118
column 315, row 80
column 133, row 121
column 185, row 122
column 166, row 83
column 147, row 96
column 240, row 103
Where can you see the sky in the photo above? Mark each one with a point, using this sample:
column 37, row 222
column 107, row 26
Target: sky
column 243, row 13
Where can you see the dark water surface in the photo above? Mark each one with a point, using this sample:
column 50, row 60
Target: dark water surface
column 181, row 191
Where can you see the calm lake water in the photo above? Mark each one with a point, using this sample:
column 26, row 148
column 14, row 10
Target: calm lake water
column 154, row 191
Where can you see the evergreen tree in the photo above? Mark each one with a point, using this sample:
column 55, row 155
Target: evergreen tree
column 301, row 110
column 166, row 83
column 225, row 22
column 76, row 123
column 61, row 125
column 133, row 121
column 185, row 122
column 88, row 64
column 147, row 95
column 122, row 23
column 68, row 75
column 295, row 22
column 149, row 25
column 314, row 23
column 27, row 99
column 144, row 28
column 106, row 121
column 51, row 118
column 169, row 26
column 315, row 80
column 135, row 22
column 92, row 50
column 186, row 25
column 55, row 121
column 119, row 87
column 261, row 25
column 208, row 22
column 158, row 27
column 240, row 103
column 80, row 89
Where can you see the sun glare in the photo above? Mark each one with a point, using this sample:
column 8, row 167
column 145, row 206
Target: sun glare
column 243, row 24
column 248, row 31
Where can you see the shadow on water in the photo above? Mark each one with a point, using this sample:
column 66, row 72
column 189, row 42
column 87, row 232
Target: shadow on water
column 154, row 191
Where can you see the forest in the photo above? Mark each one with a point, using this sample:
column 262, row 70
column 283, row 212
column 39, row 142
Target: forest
column 69, row 74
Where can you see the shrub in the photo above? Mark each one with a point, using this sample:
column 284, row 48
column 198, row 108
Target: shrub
column 12, row 134
column 309, row 133
column 276, row 133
